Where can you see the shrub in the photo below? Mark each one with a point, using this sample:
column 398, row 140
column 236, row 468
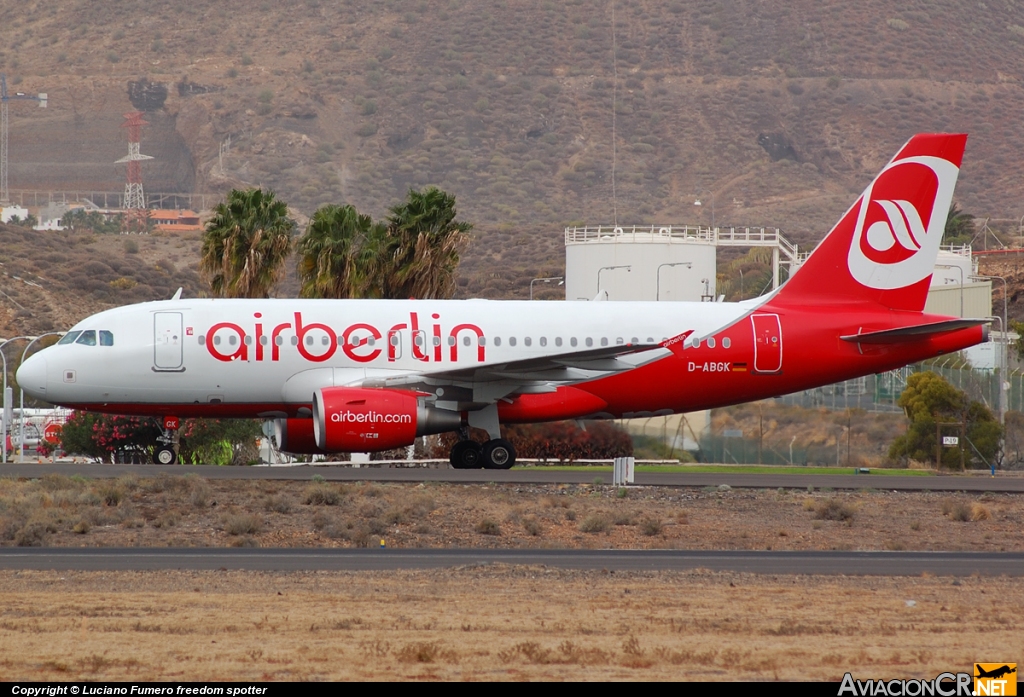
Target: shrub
column 321, row 495
column 595, row 523
column 488, row 526
column 834, row 509
column 32, row 534
column 651, row 527
column 532, row 527
column 242, row 524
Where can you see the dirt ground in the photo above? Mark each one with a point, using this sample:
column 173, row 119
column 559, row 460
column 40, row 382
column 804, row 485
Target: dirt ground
column 194, row 512
column 498, row 623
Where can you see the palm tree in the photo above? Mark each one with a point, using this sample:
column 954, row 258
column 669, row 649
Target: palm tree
column 339, row 254
column 246, row 243
column 960, row 227
column 423, row 245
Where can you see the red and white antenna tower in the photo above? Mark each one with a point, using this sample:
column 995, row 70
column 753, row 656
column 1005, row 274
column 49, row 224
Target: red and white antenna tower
column 136, row 213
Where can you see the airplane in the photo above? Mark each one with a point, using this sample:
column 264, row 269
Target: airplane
column 370, row 375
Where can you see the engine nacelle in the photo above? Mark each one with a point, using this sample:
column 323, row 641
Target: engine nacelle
column 295, row 436
column 352, row 419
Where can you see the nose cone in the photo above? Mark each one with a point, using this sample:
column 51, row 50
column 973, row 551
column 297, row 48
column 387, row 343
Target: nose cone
column 32, row 376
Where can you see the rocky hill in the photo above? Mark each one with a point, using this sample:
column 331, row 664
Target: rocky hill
column 780, row 110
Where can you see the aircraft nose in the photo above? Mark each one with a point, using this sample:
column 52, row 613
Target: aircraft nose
column 32, row 376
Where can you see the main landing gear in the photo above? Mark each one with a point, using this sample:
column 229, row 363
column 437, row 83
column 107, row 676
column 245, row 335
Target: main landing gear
column 166, row 452
column 495, row 454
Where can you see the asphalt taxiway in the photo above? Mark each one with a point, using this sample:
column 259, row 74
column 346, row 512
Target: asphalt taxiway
column 290, row 560
column 535, row 475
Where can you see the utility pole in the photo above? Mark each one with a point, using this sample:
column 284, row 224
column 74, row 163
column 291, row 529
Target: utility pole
column 5, row 194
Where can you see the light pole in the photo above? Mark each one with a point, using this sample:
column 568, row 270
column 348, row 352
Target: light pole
column 608, row 268
column 961, row 270
column 7, row 412
column 1004, row 363
column 687, row 264
column 21, row 390
column 712, row 194
column 545, row 280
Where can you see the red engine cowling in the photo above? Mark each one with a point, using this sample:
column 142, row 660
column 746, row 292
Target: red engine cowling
column 347, row 419
column 295, row 436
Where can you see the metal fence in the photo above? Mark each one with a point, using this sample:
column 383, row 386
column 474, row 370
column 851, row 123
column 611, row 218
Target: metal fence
column 881, row 392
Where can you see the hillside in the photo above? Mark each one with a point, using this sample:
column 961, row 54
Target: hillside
column 781, row 110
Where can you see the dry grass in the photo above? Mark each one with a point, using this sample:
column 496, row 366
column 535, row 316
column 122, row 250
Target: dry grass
column 157, row 511
column 518, row 623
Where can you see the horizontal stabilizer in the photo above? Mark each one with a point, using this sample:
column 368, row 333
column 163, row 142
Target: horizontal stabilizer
column 916, row 332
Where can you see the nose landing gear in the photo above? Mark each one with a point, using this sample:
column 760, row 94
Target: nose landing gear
column 166, row 452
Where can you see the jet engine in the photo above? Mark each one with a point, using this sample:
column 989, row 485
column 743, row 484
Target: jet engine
column 348, row 419
column 295, row 436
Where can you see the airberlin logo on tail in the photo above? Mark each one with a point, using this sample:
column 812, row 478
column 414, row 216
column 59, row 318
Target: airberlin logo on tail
column 900, row 222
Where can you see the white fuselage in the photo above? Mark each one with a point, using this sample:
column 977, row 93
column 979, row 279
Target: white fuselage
column 274, row 352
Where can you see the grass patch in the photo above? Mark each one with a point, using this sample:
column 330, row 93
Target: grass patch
column 745, row 469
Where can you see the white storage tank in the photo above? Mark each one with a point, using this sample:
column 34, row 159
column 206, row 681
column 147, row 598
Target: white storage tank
column 668, row 263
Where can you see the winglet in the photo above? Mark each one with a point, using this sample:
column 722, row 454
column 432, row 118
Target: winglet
column 675, row 344
column 177, row 294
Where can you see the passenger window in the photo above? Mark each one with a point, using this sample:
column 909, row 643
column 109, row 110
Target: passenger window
column 264, row 341
column 511, row 341
column 558, row 341
column 726, row 342
column 619, row 341
column 87, row 338
column 437, row 341
column 634, row 340
column 528, row 341
column 711, row 342
column 216, row 340
column 295, row 341
column 572, row 342
column 325, row 340
column 248, row 340
column 371, row 341
column 69, row 338
column 604, row 341
column 497, row 341
column 543, row 341
column 202, row 340
column 279, row 340
column 451, row 341
column 590, row 342
column 418, row 339
column 650, row 340
column 481, row 341
column 233, row 339
column 466, row 341
column 309, row 340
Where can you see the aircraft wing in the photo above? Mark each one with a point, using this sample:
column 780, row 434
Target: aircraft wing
column 476, row 386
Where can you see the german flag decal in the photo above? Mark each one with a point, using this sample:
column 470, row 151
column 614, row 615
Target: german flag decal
column 739, row 367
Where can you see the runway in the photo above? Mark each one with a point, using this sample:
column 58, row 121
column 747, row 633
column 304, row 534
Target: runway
column 535, row 475
column 760, row 562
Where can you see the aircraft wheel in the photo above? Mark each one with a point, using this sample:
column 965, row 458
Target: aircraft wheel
column 466, row 455
column 498, row 454
column 165, row 455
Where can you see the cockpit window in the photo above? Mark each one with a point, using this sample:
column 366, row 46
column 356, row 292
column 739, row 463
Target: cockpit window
column 69, row 338
column 106, row 338
column 88, row 338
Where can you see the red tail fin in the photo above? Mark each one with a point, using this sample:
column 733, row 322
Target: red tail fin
column 884, row 248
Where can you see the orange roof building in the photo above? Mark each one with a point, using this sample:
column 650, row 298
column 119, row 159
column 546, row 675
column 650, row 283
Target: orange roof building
column 175, row 220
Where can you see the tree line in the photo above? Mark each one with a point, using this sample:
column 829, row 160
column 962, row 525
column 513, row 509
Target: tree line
column 412, row 253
